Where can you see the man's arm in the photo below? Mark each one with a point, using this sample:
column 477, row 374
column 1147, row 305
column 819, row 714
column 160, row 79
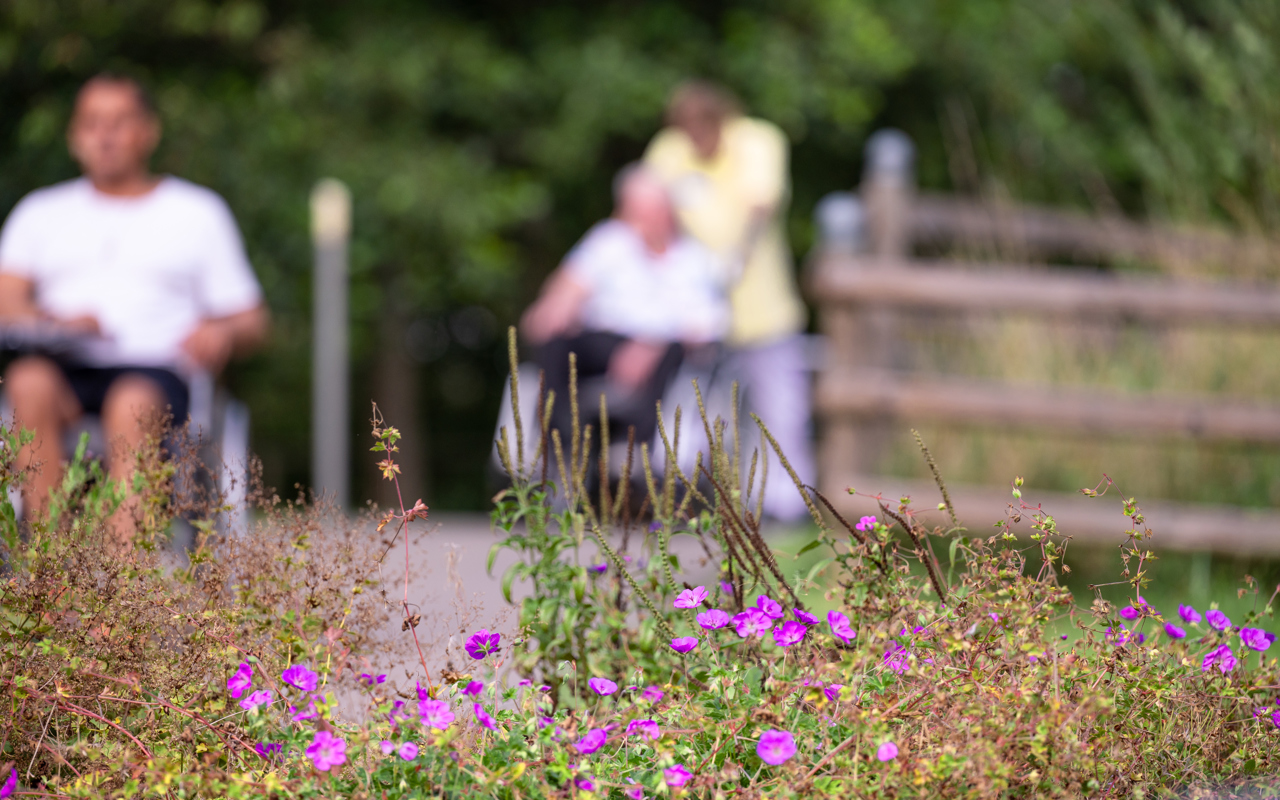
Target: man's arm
column 557, row 309
column 17, row 298
column 216, row 341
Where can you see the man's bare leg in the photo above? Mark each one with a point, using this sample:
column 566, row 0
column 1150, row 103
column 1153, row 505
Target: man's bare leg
column 131, row 400
column 43, row 403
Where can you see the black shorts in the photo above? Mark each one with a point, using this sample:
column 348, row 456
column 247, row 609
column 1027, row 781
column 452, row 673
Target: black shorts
column 90, row 386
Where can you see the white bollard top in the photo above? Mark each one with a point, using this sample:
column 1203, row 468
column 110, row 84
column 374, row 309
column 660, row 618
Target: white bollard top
column 330, row 212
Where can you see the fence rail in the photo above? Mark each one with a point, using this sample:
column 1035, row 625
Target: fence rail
column 866, row 286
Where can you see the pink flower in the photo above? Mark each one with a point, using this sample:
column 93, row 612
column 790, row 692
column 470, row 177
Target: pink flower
column 327, row 751
column 896, row 658
column 840, row 627
column 691, row 598
column 770, row 609
column 474, row 688
column 483, row 718
column 713, row 620
column 436, row 714
column 1130, row 613
column 1189, row 615
column 299, row 677
column 887, row 752
column 634, row 792
column 482, row 643
column 592, row 741
column 371, row 680
column 804, row 616
column 1256, row 639
column 240, row 680
column 683, row 644
column 268, row 749
column 585, row 783
column 1221, row 657
column 308, row 713
column 789, row 633
column 677, row 776
column 259, row 698
column 752, row 622
column 833, row 692
column 11, row 783
column 387, row 747
column 602, row 686
column 1174, row 631
column 1217, row 620
column 644, row 728
column 408, row 751
column 866, row 524
column 652, row 693
column 776, row 747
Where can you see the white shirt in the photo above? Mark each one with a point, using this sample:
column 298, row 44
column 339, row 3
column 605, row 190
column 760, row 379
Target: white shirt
column 150, row 268
column 676, row 295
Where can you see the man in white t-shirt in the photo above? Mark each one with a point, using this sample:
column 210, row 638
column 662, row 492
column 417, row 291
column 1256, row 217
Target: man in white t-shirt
column 629, row 299
column 149, row 270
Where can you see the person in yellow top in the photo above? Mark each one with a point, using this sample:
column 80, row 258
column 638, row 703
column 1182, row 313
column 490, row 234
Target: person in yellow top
column 728, row 176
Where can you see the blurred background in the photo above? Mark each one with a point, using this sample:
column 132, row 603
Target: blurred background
column 479, row 140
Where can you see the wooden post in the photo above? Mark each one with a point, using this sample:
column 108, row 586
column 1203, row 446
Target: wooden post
column 330, row 376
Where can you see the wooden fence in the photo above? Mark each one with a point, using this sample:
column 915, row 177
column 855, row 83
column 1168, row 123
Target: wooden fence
column 864, row 286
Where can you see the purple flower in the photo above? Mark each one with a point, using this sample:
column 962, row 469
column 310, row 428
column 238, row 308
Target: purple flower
column 691, row 598
column 840, row 627
column 525, row 682
column 652, row 693
column 545, row 721
column 544, row 688
column 396, row 714
column 683, row 644
column 677, row 776
column 866, row 524
column 634, row 792
column 769, row 608
column 602, row 686
column 299, row 677
column 1174, row 631
column 644, row 728
column 804, row 616
column 372, row 680
column 1189, row 615
column 789, row 633
column 1118, row 637
column 592, row 741
column 482, row 643
column 1221, row 657
column 240, row 680
column 1130, row 613
column 10, row 783
column 436, row 713
column 585, row 783
column 327, row 751
column 474, row 688
column 895, row 658
column 726, row 587
column 887, row 752
column 308, row 713
column 1256, row 639
column 713, row 620
column 655, row 526
column 776, row 747
column 408, row 751
column 268, row 749
column 1217, row 620
column 1142, row 637
column 259, row 698
column 599, row 569
column 752, row 622
column 387, row 747
column 833, row 692
column 483, row 718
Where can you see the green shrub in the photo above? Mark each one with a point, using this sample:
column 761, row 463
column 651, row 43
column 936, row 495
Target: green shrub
column 926, row 682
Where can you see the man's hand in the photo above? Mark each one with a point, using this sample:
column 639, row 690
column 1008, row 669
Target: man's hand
column 633, row 363
column 210, row 345
column 85, row 324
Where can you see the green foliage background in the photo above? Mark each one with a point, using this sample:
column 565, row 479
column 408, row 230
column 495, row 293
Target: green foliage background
column 479, row 139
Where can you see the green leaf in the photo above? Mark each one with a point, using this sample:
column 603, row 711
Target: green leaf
column 810, row 546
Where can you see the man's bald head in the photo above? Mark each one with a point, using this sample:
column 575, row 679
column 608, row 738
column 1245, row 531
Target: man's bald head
column 700, row 109
column 641, row 200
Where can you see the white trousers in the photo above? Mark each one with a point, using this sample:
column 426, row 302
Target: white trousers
column 775, row 384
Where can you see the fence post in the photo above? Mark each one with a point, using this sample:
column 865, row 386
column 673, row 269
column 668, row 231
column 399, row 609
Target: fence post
column 330, row 380
column 887, row 187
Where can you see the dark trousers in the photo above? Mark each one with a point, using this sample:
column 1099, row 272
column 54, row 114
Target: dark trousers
column 593, row 350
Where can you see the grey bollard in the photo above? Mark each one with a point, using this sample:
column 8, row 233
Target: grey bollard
column 887, row 186
column 841, row 223
column 330, row 377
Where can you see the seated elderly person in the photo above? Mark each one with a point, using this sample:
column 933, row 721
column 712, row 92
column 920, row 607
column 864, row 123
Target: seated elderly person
column 629, row 299
column 149, row 270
